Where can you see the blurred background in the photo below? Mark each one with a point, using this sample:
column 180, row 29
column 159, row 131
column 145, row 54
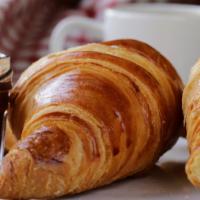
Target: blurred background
column 26, row 25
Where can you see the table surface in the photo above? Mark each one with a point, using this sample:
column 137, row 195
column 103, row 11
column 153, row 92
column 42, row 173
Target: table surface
column 166, row 181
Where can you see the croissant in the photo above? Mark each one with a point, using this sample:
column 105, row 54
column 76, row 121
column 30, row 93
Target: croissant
column 88, row 116
column 191, row 109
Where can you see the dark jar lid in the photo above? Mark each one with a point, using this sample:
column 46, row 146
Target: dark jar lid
column 5, row 86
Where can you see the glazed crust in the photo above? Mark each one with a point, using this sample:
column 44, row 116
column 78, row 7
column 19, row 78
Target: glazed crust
column 191, row 109
column 88, row 116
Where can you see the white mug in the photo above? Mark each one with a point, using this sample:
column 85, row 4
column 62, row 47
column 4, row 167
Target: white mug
column 173, row 29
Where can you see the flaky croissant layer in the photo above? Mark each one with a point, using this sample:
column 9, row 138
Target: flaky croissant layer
column 191, row 109
column 88, row 116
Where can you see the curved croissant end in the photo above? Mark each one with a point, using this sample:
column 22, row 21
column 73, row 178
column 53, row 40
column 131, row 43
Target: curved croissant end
column 191, row 105
column 88, row 116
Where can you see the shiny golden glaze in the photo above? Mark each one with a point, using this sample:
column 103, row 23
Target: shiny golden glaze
column 88, row 116
column 191, row 109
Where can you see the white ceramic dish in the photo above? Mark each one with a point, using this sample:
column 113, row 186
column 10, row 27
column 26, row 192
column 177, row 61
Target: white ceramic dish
column 173, row 29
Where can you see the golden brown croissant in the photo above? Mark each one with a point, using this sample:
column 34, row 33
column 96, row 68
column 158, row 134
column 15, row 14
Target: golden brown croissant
column 191, row 109
column 88, row 116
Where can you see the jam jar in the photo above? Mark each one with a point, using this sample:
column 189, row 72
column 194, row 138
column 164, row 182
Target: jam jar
column 5, row 84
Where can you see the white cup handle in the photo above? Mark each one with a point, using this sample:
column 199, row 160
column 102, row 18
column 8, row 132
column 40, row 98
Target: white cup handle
column 66, row 26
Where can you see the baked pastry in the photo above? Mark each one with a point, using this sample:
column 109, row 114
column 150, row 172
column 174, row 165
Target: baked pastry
column 88, row 116
column 191, row 109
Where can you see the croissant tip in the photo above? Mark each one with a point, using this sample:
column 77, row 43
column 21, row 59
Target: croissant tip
column 192, row 168
column 13, row 174
column 4, row 186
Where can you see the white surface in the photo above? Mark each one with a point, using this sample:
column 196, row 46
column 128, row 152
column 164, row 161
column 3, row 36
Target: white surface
column 166, row 181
